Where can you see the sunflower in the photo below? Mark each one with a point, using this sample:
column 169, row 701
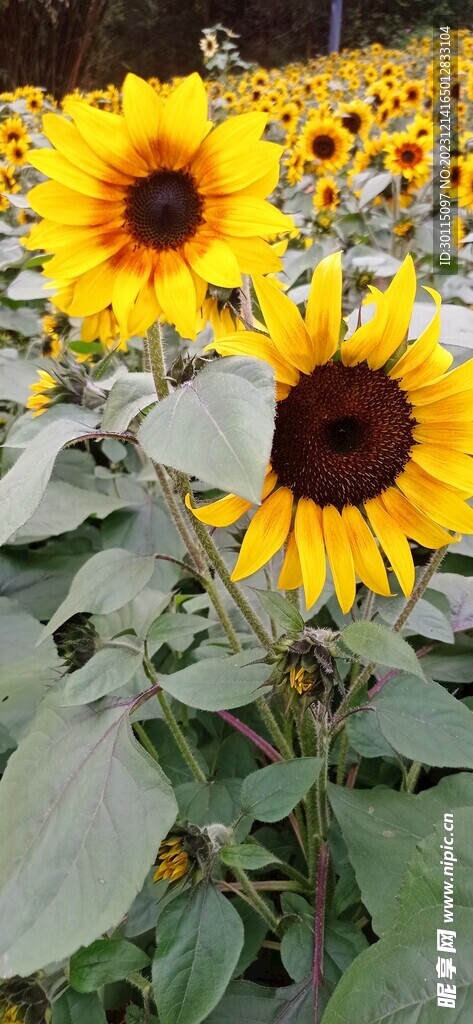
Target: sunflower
column 357, row 117
column 173, row 861
column 147, row 208
column 408, row 156
column 326, row 195
column 209, row 45
column 371, row 443
column 16, row 152
column 40, row 399
column 326, row 142
column 12, row 130
column 465, row 184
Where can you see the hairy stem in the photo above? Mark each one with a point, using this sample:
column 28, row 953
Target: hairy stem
column 257, row 902
column 173, row 725
column 319, row 924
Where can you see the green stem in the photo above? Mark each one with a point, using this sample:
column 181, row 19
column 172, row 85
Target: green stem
column 342, row 757
column 413, row 776
column 145, row 741
column 308, row 744
column 156, row 359
column 257, row 902
column 273, row 728
column 173, row 724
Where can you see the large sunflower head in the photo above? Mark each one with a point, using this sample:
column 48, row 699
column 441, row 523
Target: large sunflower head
column 326, row 142
column 371, row 446
column 145, row 209
column 409, row 156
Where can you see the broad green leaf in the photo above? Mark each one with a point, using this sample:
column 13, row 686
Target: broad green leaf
column 373, row 187
column 422, row 721
column 16, row 374
column 281, row 610
column 248, row 856
column 105, row 961
column 169, row 627
column 199, row 938
column 272, row 792
column 106, row 671
column 75, row 1008
column 28, row 285
column 426, row 618
column 25, row 673
column 372, row 642
column 396, row 979
column 64, row 507
column 106, row 582
column 31, row 472
column 255, row 931
column 218, row 684
column 83, row 811
column 256, row 1004
column 459, row 592
column 204, row 803
column 230, row 405
column 129, row 395
column 381, row 828
column 450, row 665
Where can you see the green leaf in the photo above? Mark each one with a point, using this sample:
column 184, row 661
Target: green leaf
column 281, row 610
column 271, row 793
column 381, row 829
column 73, row 1008
column 64, row 507
column 106, row 582
column 396, row 979
column 230, row 405
column 199, row 938
column 372, row 642
column 454, row 665
column 255, row 931
column 424, row 722
column 83, row 811
column 248, row 856
column 108, row 670
column 25, row 673
column 255, row 1004
column 129, row 395
column 30, row 474
column 105, row 961
column 204, row 803
column 28, row 284
column 218, row 684
column 459, row 592
column 373, row 187
column 169, row 627
column 16, row 374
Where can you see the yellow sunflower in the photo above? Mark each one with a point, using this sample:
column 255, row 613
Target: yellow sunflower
column 173, row 861
column 326, row 142
column 147, row 208
column 369, row 445
column 409, row 156
column 326, row 195
column 357, row 117
column 465, row 184
column 12, row 130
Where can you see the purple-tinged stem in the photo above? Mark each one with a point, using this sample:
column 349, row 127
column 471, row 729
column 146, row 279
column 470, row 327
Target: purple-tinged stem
column 320, row 891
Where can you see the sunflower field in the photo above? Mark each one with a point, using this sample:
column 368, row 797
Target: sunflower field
column 236, row 574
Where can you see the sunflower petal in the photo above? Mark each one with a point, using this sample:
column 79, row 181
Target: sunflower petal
column 290, row 576
column 240, row 216
column 453, row 468
column 285, row 325
column 93, row 290
column 249, row 343
column 254, row 255
column 223, row 512
column 176, row 293
column 324, row 308
column 339, row 556
column 102, row 130
column 67, row 139
column 183, row 125
column 413, row 522
column 369, row 565
column 142, row 108
column 311, row 548
column 454, row 409
column 393, row 541
column 409, row 366
column 213, row 260
column 362, row 342
column 57, row 167
column 77, row 258
column 63, row 205
column 441, row 503
column 266, row 533
column 453, row 383
column 398, row 301
column 459, row 437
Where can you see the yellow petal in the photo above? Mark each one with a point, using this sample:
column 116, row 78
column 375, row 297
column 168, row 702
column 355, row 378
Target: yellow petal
column 58, row 237
column 142, row 108
column 228, row 171
column 410, row 364
column 324, row 308
column 130, row 278
column 65, row 206
column 229, row 136
column 339, row 556
column 240, row 216
column 249, row 343
column 67, row 139
column 311, row 548
column 398, row 301
column 107, row 135
column 184, row 123
column 176, row 294
column 223, row 512
column 93, row 290
column 290, row 576
column 454, row 383
column 441, row 503
column 56, row 166
column 145, row 311
column 413, row 522
column 393, row 541
column 214, row 261
column 363, row 341
column 369, row 565
column 266, row 533
column 254, row 255
column 455, row 409
column 285, row 325
column 77, row 259
column 453, row 468
column 459, row 436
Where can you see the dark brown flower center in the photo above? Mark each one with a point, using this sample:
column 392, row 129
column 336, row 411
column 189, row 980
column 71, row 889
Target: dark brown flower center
column 323, row 147
column 342, row 435
column 164, row 210
column 352, row 121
